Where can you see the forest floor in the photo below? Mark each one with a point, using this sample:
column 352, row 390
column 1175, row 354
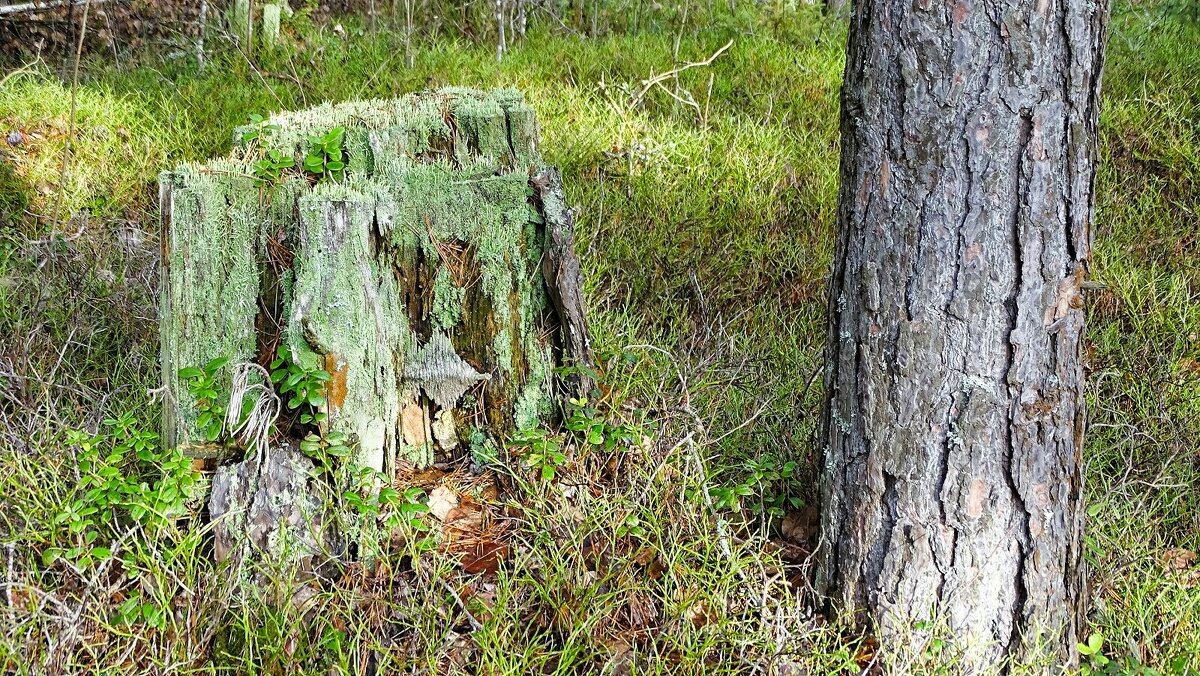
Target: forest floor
column 705, row 235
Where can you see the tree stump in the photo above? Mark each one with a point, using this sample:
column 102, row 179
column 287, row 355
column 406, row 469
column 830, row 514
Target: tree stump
column 429, row 269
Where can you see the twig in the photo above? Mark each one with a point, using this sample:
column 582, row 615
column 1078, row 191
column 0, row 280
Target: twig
column 654, row 80
column 200, row 35
column 475, row 624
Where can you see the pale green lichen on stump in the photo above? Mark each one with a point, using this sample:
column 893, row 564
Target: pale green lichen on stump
column 431, row 232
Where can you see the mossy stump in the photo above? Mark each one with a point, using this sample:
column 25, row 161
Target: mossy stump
column 434, row 279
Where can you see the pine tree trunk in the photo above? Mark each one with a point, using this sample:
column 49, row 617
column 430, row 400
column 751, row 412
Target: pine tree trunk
column 416, row 280
column 951, row 483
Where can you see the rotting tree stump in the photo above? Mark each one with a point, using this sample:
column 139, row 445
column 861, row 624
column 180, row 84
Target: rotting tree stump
column 435, row 280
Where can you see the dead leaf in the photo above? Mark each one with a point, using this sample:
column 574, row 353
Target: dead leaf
column 700, row 614
column 644, row 555
column 484, row 557
column 441, row 501
column 800, row 527
column 1178, row 558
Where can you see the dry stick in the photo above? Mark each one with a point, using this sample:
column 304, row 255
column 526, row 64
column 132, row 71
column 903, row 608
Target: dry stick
column 408, row 32
column 475, row 624
column 70, row 634
column 655, row 80
column 66, row 156
column 675, row 49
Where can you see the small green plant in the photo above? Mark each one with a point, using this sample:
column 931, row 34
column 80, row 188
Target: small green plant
column 632, row 526
column 300, row 383
column 135, row 609
column 326, row 159
column 393, row 507
column 592, row 429
column 326, row 450
column 202, row 385
column 765, row 482
column 125, row 480
column 257, row 128
column 544, row 451
column 269, row 170
column 1095, row 662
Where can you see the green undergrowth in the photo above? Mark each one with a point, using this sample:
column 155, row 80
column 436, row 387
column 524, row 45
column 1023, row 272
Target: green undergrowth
column 705, row 237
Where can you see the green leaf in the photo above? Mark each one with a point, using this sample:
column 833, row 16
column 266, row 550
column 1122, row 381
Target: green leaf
column 215, row 365
column 315, row 399
column 335, row 165
column 187, row 374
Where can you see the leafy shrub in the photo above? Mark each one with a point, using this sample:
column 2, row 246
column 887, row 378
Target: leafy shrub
column 125, row 481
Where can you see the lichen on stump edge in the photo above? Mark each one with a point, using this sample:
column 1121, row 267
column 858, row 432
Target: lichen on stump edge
column 417, row 279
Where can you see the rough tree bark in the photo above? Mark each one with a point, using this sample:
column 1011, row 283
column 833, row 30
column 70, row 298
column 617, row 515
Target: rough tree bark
column 954, row 415
column 417, row 281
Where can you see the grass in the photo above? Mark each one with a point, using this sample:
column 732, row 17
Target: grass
column 705, row 235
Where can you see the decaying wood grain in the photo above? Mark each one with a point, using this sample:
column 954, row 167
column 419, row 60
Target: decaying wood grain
column 954, row 418
column 266, row 507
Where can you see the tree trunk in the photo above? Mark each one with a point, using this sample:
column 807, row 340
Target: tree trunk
column 416, row 281
column 951, row 483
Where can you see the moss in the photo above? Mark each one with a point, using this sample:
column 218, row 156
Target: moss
column 342, row 291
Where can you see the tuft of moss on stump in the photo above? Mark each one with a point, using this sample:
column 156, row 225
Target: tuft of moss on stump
column 416, row 275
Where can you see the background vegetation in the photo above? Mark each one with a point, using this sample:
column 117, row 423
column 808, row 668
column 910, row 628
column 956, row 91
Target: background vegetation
column 705, row 211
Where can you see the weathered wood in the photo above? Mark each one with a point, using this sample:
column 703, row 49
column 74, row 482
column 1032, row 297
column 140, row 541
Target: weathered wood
column 417, row 280
column 266, row 508
column 564, row 280
column 951, row 487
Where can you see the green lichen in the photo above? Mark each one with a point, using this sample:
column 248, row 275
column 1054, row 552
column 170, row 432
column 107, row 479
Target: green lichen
column 212, row 279
column 534, row 403
column 447, row 300
column 425, row 172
